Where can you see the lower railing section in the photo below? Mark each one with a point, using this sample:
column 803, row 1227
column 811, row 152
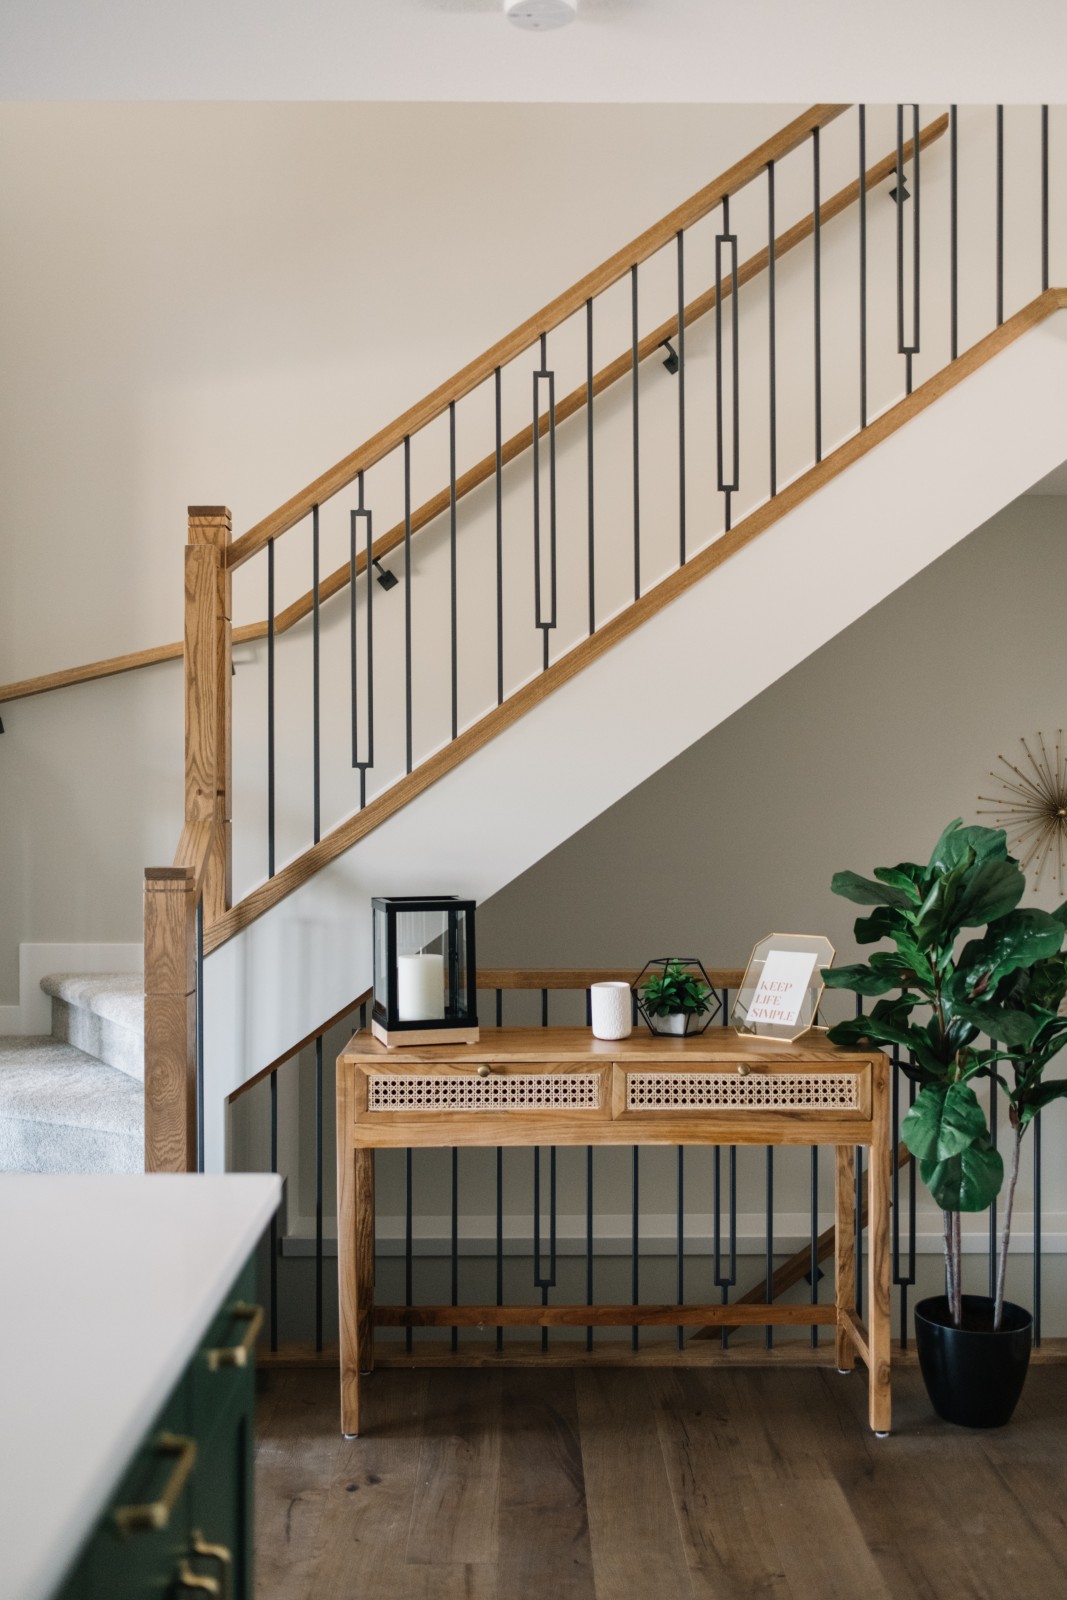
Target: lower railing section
column 588, row 1261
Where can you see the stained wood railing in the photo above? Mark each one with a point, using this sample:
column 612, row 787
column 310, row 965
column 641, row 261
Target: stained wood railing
column 517, row 445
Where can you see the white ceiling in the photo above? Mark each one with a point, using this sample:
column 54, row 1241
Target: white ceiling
column 767, row 51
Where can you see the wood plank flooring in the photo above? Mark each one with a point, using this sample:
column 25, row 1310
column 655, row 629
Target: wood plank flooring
column 653, row 1484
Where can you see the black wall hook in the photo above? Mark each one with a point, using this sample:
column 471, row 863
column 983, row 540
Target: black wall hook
column 670, row 360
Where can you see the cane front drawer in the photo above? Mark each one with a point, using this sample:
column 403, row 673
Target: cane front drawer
column 715, row 1090
column 433, row 1094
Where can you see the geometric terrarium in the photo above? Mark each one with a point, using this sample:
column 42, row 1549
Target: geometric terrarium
column 675, row 995
column 779, row 997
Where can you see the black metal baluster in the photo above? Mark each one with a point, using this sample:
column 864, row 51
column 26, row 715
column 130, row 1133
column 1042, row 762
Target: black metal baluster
column 200, row 1036
column 318, row 1192
column 636, row 432
column 817, row 273
column 273, row 1272
column 545, row 1281
column 407, row 602
column 768, row 1332
column 859, row 1230
column 499, row 1238
column 1000, row 215
column 589, row 1238
column 540, row 620
column 993, row 1119
column 725, row 1282
column 1037, row 1231
column 906, row 1283
column 589, row 479
column 499, row 540
column 727, row 487
column 635, row 1268
column 316, row 735
column 362, row 765
column 863, row 265
column 906, row 347
column 772, row 356
column 408, row 1243
column 681, row 1241
column 681, row 398
column 814, row 1270
column 954, row 231
column 452, row 562
column 455, row 1241
column 270, row 708
column 1044, row 197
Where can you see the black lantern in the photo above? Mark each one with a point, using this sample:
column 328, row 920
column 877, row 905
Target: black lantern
column 425, row 980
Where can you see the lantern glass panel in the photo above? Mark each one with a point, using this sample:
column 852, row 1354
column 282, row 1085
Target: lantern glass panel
column 421, row 965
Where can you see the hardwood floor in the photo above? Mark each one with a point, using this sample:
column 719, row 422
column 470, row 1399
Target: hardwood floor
column 653, row 1484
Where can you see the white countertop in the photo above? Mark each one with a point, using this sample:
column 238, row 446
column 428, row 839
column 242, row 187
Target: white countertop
column 107, row 1285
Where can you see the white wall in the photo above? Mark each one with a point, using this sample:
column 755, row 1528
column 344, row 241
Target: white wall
column 208, row 304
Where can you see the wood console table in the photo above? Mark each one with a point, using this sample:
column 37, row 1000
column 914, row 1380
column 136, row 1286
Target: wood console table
column 559, row 1086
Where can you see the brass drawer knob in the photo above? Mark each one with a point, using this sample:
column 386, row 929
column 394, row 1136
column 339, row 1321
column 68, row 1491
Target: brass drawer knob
column 484, row 1069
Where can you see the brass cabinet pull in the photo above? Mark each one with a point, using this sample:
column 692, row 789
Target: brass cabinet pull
column 743, row 1068
column 156, row 1513
column 191, row 1581
column 214, row 1552
column 484, row 1070
column 236, row 1355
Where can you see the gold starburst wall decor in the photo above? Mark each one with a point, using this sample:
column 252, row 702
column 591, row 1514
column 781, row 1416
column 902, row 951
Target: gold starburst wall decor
column 1033, row 808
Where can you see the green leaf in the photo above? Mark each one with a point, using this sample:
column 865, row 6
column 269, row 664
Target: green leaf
column 991, row 890
column 1016, row 1029
column 883, row 923
column 1017, row 940
column 936, row 921
column 905, row 877
column 988, row 844
column 861, row 979
column 1037, row 1099
column 945, row 1120
column 865, row 892
column 969, row 1181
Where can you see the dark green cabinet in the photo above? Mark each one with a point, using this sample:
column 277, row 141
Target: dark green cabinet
column 179, row 1524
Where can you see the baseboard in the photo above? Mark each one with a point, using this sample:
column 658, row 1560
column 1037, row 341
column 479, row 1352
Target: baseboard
column 33, row 1014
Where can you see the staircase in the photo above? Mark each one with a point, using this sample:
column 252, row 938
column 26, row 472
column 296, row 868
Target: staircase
column 73, row 1100
column 718, row 449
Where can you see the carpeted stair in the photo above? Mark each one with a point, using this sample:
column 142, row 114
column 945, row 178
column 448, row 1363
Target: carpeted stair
column 73, row 1101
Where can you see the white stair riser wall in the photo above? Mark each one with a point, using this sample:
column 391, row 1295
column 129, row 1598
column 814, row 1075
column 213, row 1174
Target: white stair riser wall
column 729, row 637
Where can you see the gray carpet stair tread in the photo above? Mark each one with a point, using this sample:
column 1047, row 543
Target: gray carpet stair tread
column 116, row 996
column 63, row 1111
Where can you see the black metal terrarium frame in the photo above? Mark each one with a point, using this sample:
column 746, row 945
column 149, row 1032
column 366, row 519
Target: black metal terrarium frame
column 693, row 1023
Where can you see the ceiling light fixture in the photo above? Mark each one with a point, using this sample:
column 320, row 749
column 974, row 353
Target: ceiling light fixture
column 540, row 15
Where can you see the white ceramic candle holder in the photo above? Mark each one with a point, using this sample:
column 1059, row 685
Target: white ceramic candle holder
column 611, row 1006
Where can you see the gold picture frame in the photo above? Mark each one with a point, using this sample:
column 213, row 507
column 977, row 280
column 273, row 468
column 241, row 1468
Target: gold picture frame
column 782, row 987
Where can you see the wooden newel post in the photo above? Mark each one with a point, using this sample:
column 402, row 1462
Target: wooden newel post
column 170, row 1020
column 208, row 694
column 202, row 867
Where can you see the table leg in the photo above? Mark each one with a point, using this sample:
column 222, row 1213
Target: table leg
column 845, row 1252
column 355, row 1278
column 878, row 1192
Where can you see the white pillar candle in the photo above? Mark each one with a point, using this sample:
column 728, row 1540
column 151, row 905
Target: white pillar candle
column 420, row 987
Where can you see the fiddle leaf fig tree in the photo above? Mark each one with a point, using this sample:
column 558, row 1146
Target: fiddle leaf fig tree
column 935, row 1004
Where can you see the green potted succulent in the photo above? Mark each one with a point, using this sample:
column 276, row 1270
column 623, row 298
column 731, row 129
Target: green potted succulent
column 934, row 998
column 673, row 994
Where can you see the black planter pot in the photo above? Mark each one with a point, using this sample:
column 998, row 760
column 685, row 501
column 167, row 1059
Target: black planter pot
column 974, row 1376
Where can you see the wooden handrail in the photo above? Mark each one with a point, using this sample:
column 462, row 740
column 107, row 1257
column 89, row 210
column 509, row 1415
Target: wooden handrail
column 527, row 333
column 569, row 405
column 386, row 805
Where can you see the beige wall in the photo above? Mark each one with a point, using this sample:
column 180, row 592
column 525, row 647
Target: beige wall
column 856, row 759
